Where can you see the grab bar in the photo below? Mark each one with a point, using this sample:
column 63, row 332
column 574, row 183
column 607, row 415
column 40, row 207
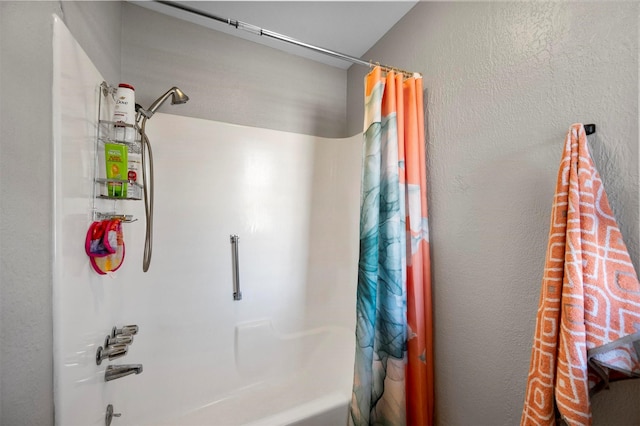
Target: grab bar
column 237, row 294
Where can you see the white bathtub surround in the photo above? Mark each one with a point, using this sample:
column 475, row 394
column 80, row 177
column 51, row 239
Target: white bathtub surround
column 292, row 199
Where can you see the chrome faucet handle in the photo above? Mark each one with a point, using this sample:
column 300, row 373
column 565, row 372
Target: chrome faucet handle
column 111, row 352
column 120, row 339
column 127, row 330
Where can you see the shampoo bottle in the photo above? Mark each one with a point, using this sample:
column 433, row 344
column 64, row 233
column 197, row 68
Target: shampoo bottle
column 125, row 113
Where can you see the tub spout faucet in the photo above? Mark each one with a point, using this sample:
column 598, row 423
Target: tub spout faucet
column 116, row 371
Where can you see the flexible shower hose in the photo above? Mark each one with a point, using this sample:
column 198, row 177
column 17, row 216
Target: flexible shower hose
column 147, row 189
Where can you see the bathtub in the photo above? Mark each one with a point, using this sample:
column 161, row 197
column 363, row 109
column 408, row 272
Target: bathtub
column 330, row 410
column 310, row 385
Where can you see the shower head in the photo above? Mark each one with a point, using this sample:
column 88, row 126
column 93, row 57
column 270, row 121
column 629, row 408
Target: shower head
column 177, row 97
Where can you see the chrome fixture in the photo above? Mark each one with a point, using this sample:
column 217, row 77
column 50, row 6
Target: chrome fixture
column 116, row 371
column 271, row 34
column 117, row 344
column 142, row 115
column 127, row 330
column 111, row 352
column 237, row 294
column 177, row 97
column 110, row 415
column 120, row 339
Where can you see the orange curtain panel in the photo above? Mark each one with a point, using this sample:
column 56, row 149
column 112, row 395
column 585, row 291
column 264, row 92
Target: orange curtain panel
column 393, row 379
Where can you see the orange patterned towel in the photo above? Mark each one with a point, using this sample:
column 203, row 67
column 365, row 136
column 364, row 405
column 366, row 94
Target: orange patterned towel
column 588, row 322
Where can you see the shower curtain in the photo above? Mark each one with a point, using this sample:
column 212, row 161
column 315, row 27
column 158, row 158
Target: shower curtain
column 393, row 378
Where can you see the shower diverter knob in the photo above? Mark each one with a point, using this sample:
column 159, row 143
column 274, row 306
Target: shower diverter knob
column 110, row 415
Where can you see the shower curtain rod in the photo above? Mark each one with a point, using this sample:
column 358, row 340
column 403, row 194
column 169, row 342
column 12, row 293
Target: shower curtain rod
column 281, row 37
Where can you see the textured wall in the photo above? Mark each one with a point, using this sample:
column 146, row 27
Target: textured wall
column 230, row 79
column 25, row 168
column 504, row 81
column 26, row 376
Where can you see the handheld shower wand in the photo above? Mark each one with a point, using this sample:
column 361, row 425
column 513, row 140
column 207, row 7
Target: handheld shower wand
column 142, row 115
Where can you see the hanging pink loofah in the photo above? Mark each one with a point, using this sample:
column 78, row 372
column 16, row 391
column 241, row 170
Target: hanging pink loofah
column 105, row 245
